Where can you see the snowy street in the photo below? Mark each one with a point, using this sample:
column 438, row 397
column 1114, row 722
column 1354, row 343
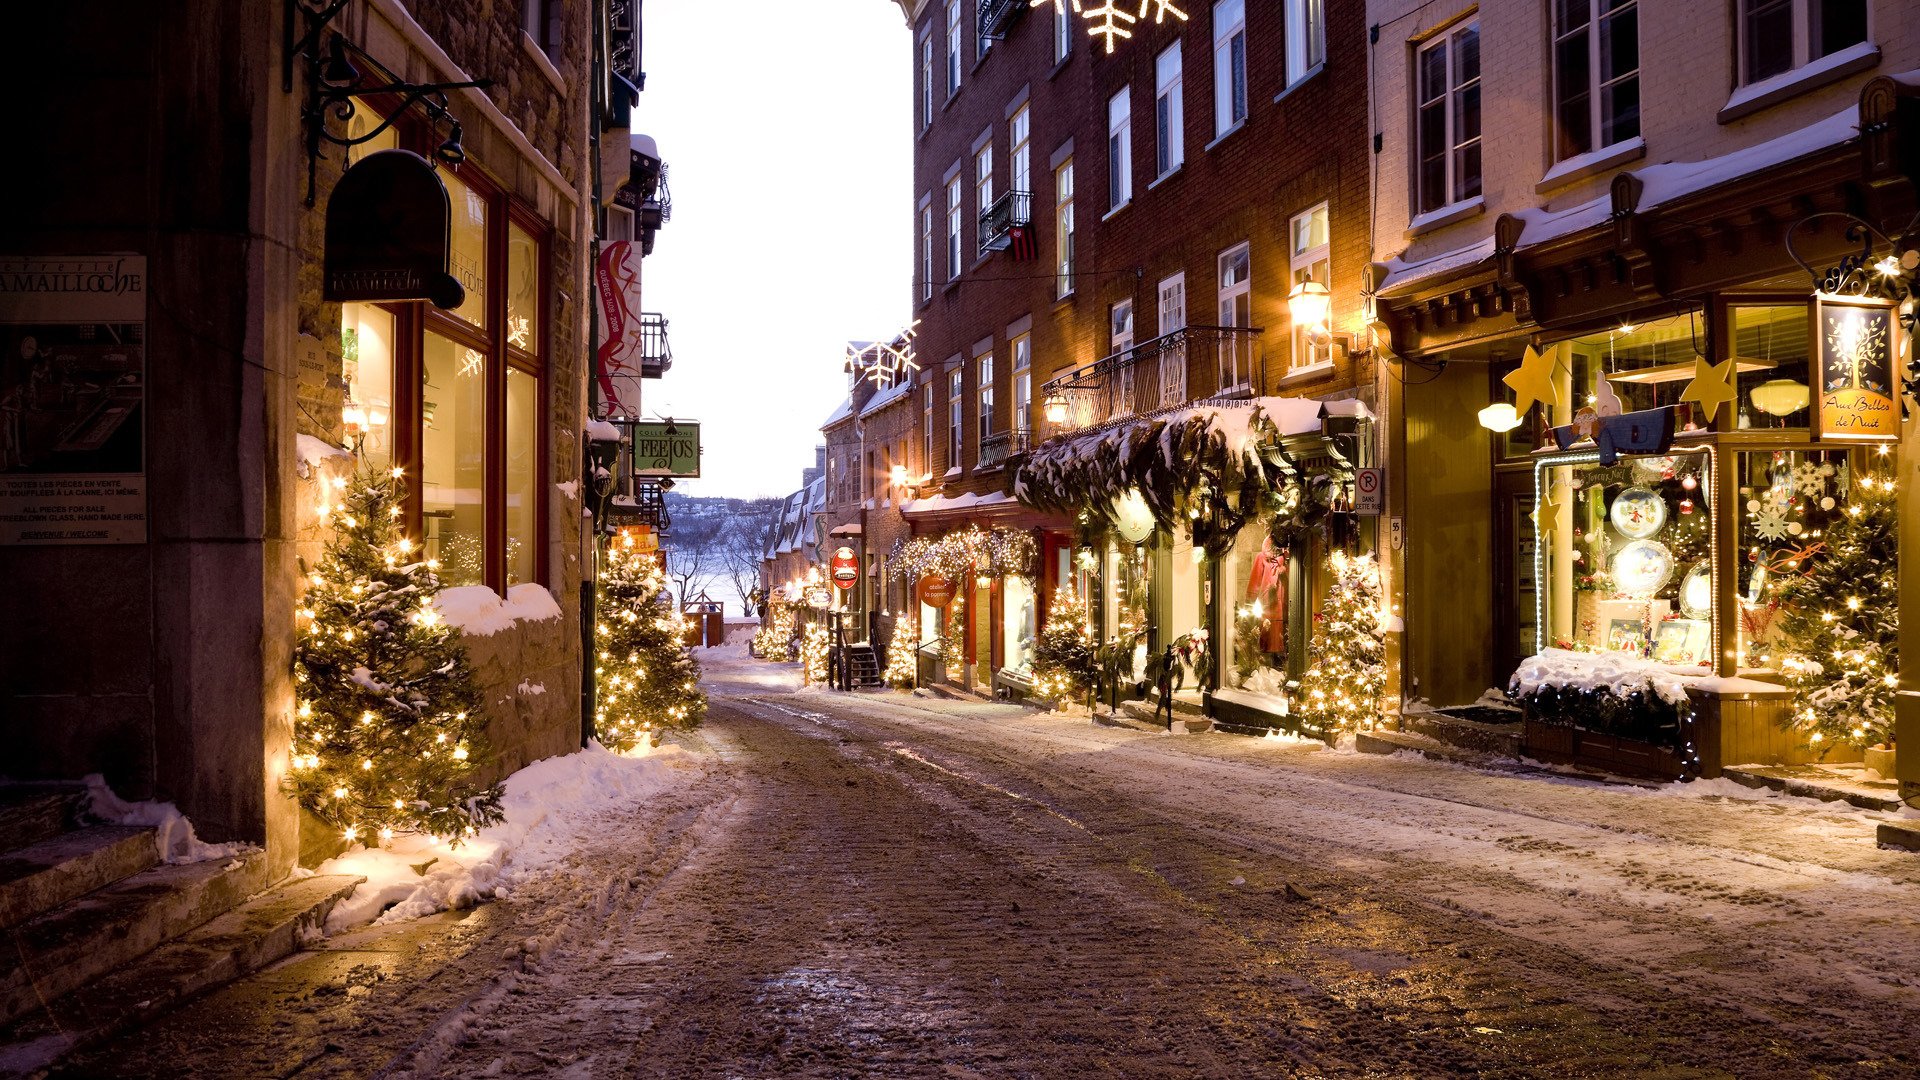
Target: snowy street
column 884, row 885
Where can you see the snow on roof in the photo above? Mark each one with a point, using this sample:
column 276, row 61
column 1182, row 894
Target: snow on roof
column 644, row 146
column 845, row 410
column 887, row 397
column 1406, row 273
column 310, row 453
column 970, row 501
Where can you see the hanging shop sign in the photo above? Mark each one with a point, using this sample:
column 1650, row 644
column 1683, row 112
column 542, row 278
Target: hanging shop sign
column 846, row 568
column 1132, row 517
column 670, row 448
column 72, row 399
column 1855, row 349
column 640, row 538
column 621, row 353
column 388, row 223
column 936, row 590
column 819, row 597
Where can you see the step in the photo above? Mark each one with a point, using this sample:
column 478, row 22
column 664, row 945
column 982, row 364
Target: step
column 30, row 813
column 1392, row 742
column 76, row 943
column 1904, row 833
column 1813, row 782
column 42, row 876
column 265, row 929
column 1188, row 717
column 1502, row 739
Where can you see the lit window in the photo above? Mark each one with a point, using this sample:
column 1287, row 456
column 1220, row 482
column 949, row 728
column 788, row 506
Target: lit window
column 1596, row 75
column 1119, row 150
column 467, row 247
column 1308, row 248
column 1447, row 130
column 1168, row 113
column 1306, row 22
column 1229, row 65
column 1777, row 36
column 453, row 458
column 1063, row 229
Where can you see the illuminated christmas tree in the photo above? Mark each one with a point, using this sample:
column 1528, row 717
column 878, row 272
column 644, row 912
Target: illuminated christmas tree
column 1064, row 667
column 1346, row 668
column 814, row 650
column 645, row 678
column 1840, row 625
column 774, row 641
column 388, row 725
column 903, row 664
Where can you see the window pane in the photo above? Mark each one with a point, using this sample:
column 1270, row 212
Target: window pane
column 1836, row 24
column 1771, row 346
column 523, row 289
column 1466, row 180
column 453, row 452
column 1768, row 38
column 1572, row 107
column 1433, row 156
column 523, row 474
column 467, row 257
column 365, row 120
column 1239, row 68
column 1620, row 111
column 1433, row 73
column 366, row 348
column 1466, row 55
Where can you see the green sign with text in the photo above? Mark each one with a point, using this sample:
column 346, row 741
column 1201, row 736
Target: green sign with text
column 668, row 448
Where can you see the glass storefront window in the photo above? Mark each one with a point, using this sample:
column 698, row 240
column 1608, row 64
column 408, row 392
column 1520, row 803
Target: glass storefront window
column 1258, row 584
column 1628, row 557
column 523, row 290
column 1786, row 499
column 523, row 447
column 363, row 121
column 1018, row 626
column 1646, row 365
column 1770, row 347
column 366, row 352
column 1129, row 603
column 453, row 454
column 467, row 247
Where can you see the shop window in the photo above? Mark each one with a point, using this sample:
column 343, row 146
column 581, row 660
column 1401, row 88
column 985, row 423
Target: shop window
column 1786, row 500
column 467, row 247
column 1627, row 554
column 1260, row 585
column 1018, row 624
column 523, row 290
column 1646, row 366
column 367, row 357
column 361, row 125
column 523, row 471
column 1129, row 602
column 453, row 458
column 1770, row 345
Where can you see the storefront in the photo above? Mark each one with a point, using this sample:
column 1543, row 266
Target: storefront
column 977, row 596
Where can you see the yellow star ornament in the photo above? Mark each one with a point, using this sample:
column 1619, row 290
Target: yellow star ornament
column 1546, row 513
column 1533, row 381
column 1712, row 386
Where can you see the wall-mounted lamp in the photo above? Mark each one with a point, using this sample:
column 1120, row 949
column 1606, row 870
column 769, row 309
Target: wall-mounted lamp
column 1310, row 303
column 897, row 475
column 1054, row 408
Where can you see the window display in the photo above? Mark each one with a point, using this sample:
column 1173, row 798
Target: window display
column 1627, row 550
column 1017, row 611
column 1129, row 610
column 1787, row 500
column 1258, row 580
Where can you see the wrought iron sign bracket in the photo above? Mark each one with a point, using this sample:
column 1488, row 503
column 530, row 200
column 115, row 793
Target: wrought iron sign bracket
column 335, row 80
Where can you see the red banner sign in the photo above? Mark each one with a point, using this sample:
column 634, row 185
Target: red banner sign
column 936, row 590
column 846, row 568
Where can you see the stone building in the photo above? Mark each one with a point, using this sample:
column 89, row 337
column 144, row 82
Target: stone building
column 163, row 658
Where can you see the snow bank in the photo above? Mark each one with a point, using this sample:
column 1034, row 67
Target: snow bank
column 571, row 489
column 1619, row 674
column 310, row 454
column 173, row 833
column 476, row 609
column 551, row 806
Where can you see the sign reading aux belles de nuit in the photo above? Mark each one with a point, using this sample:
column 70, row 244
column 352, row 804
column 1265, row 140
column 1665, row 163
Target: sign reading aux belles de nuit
column 73, row 377
column 667, row 449
column 1856, row 354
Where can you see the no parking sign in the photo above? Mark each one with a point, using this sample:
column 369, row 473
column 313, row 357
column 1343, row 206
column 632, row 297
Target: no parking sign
column 1370, row 492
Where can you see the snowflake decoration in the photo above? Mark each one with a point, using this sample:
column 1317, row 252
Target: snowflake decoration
column 1770, row 522
column 1161, row 9
column 1810, row 478
column 1058, row 5
column 1109, row 21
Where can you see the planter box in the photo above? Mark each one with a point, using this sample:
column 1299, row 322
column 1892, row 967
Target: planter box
column 1608, row 753
column 1740, row 723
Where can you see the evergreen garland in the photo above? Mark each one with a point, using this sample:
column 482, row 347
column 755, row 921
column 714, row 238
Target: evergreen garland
column 645, row 678
column 1840, row 625
column 388, row 726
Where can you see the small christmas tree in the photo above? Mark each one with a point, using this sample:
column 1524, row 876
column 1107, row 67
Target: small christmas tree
column 1064, row 667
column 645, row 677
column 1346, row 668
column 388, row 726
column 1840, row 625
column 903, row 663
column 815, row 648
column 774, row 641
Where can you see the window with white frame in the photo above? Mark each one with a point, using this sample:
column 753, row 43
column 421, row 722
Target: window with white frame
column 1777, row 36
column 1307, row 257
column 1229, row 65
column 1447, row 127
column 926, row 431
column 953, row 229
column 984, row 365
column 983, row 179
column 926, row 79
column 1119, row 341
column 1236, row 310
column 1119, row 149
column 926, row 247
column 1063, row 228
column 1023, row 383
column 1020, row 158
column 1062, row 32
column 956, row 406
column 953, row 47
column 1169, row 131
column 1306, row 25
column 1596, row 75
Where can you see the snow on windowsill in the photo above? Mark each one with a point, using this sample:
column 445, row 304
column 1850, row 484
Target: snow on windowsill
column 602, row 431
column 478, row 610
column 571, row 489
column 1446, row 215
column 1754, row 97
column 1592, row 163
column 311, row 454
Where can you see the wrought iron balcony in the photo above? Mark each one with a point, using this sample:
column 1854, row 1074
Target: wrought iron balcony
column 997, row 448
column 1011, row 211
column 656, row 355
column 998, row 16
column 1196, row 363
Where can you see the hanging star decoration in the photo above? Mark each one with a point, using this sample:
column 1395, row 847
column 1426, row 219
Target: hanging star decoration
column 1546, row 512
column 1712, row 386
column 1532, row 381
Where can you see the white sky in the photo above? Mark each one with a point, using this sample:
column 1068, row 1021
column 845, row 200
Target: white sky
column 787, row 130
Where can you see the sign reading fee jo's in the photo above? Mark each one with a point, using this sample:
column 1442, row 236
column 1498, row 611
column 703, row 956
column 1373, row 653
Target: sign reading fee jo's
column 670, row 449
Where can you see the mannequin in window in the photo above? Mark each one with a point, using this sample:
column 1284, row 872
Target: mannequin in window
column 1267, row 584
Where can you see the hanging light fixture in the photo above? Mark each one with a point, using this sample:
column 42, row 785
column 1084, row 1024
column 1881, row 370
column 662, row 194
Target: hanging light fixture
column 1780, row 397
column 1055, row 408
column 1499, row 416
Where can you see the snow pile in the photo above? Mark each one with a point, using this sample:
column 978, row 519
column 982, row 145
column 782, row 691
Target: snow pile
column 601, row 431
column 311, row 454
column 571, row 489
column 173, row 833
column 552, row 806
column 1620, row 674
column 476, row 609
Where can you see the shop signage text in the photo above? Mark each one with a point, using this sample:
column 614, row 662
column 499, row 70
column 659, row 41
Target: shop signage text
column 1856, row 343
column 670, row 449
column 936, row 590
column 846, row 568
column 388, row 222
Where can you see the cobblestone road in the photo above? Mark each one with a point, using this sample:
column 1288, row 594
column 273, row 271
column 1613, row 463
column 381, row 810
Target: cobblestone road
column 885, row 887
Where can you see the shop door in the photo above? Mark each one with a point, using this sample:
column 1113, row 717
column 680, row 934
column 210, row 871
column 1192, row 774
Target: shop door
column 1516, row 632
column 982, row 617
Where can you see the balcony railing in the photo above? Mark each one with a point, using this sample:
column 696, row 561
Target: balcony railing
column 996, row 449
column 656, row 355
column 998, row 16
column 1013, row 210
column 1192, row 364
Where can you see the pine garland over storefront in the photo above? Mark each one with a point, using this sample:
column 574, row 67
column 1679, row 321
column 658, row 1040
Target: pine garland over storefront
column 999, row 551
